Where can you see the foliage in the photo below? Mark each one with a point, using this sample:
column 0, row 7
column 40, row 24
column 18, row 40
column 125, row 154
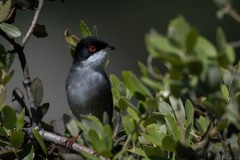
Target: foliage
column 185, row 105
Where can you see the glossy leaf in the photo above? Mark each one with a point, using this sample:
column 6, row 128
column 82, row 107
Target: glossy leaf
column 8, row 117
column 5, row 10
column 10, row 29
column 17, row 139
column 84, row 30
column 40, row 140
column 37, row 90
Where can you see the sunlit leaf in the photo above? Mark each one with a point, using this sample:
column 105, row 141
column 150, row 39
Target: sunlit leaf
column 84, row 30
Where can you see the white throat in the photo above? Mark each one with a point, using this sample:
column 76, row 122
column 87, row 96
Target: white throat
column 97, row 60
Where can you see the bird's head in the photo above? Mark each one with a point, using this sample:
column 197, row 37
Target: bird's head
column 92, row 52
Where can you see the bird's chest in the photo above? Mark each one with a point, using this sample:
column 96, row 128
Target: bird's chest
column 83, row 88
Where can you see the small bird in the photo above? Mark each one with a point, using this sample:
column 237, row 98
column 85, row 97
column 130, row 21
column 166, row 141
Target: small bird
column 88, row 87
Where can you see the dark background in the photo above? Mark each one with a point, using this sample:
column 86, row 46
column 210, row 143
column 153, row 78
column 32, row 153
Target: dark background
column 122, row 23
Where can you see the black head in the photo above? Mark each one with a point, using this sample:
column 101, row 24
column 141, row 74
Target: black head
column 89, row 46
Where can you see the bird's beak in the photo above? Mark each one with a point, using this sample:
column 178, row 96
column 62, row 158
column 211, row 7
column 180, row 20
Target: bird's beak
column 110, row 47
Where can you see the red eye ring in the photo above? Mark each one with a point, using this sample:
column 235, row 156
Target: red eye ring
column 92, row 48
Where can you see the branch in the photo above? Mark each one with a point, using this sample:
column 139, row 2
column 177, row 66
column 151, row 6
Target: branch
column 59, row 140
column 231, row 12
column 34, row 22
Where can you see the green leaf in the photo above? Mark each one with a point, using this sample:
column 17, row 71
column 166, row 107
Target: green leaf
column 156, row 133
column 42, row 110
column 3, row 132
column 107, row 138
column 157, row 45
column 187, row 135
column 138, row 151
column 71, row 39
column 178, row 108
column 178, row 30
column 165, row 108
column 40, row 31
column 8, row 77
column 89, row 156
column 17, row 139
column 202, row 124
column 129, row 124
column 8, row 117
column 191, row 40
column 71, row 125
column 189, row 112
column 132, row 112
column 84, row 30
column 92, row 122
column 20, row 120
column 124, row 103
column 169, row 144
column 40, row 140
column 5, row 10
column 96, row 142
column 205, row 48
column 134, row 84
column 3, row 96
column 172, row 127
column 214, row 78
column 31, row 155
column 143, row 69
column 225, row 92
column 10, row 29
column 152, row 151
column 37, row 90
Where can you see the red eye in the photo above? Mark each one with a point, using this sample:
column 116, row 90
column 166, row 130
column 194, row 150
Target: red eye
column 92, row 48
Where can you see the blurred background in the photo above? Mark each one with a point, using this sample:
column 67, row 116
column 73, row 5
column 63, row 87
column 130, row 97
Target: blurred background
column 121, row 23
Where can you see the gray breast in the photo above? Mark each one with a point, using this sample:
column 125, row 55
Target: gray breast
column 89, row 92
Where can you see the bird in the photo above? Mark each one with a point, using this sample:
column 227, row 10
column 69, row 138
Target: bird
column 88, row 87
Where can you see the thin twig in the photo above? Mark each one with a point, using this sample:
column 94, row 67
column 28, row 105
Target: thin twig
column 61, row 141
column 34, row 22
column 231, row 12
